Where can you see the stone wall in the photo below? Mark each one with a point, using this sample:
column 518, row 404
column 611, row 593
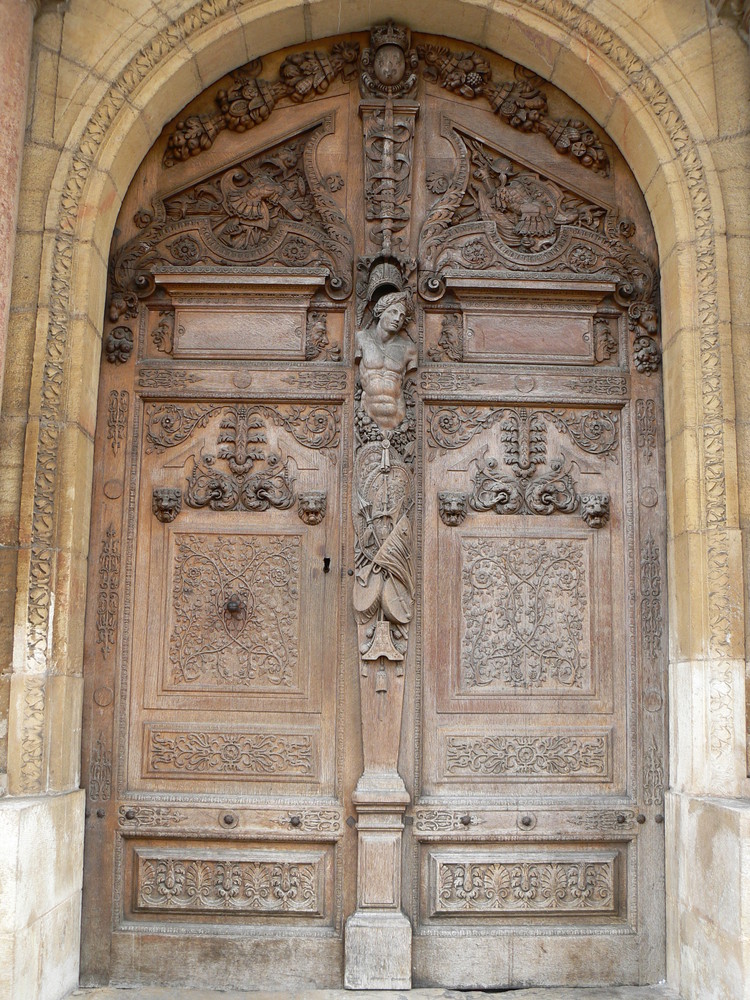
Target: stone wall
column 669, row 81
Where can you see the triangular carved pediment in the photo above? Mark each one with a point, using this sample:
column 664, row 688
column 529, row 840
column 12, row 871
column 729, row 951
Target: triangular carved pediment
column 496, row 212
column 270, row 209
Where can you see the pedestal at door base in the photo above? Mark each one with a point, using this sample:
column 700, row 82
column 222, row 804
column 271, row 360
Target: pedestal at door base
column 378, row 951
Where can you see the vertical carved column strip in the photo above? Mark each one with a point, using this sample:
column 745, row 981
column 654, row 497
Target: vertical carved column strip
column 378, row 934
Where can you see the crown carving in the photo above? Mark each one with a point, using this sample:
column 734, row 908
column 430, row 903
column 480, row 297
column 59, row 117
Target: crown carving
column 390, row 33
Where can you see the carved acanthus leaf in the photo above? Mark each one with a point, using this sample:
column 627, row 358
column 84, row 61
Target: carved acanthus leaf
column 171, row 424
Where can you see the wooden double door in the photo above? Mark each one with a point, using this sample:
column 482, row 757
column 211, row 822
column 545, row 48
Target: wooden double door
column 323, row 548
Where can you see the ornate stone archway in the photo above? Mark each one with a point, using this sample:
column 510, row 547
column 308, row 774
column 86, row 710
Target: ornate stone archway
column 663, row 134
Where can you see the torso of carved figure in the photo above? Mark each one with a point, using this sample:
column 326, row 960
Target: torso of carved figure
column 385, row 355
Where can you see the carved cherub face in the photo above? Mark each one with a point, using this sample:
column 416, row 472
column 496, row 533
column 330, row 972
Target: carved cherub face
column 453, row 507
column 311, row 506
column 595, row 509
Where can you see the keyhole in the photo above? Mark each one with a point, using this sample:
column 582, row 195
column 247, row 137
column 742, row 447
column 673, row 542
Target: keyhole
column 326, row 564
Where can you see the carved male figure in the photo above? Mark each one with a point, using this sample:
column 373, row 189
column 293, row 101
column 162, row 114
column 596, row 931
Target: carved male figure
column 386, row 354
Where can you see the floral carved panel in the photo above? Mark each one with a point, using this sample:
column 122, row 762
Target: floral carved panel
column 235, row 612
column 513, row 886
column 525, row 615
column 250, row 883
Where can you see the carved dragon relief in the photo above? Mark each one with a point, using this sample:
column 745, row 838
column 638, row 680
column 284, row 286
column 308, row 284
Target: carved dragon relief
column 493, row 213
column 273, row 209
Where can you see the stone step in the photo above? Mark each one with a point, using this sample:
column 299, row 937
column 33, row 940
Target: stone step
column 554, row 993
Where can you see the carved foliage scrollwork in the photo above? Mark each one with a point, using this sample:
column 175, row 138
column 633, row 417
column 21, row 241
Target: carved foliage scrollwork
column 108, row 595
column 652, row 622
column 230, row 754
column 100, row 772
column 117, row 418
column 171, row 424
column 525, row 886
column 594, row 431
column 118, row 345
column 525, row 608
column 235, row 611
column 228, row 886
column 527, row 756
column 529, row 490
column 493, row 212
column 520, row 102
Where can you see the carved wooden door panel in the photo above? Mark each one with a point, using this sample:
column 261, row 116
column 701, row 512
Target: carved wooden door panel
column 374, row 630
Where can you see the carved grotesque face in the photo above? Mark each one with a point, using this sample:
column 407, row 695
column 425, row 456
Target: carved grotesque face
column 453, row 507
column 595, row 509
column 312, row 506
column 166, row 503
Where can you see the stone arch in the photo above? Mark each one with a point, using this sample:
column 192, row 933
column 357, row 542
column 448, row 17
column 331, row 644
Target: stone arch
column 662, row 134
column 571, row 48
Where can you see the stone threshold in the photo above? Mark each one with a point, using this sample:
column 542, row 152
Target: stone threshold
column 546, row 993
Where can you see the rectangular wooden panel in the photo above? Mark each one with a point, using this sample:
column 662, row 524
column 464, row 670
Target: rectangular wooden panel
column 172, row 881
column 529, row 882
column 228, row 753
column 495, row 334
column 267, row 330
column 528, row 753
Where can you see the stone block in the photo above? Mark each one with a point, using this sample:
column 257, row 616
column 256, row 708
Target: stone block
column 523, row 42
column 41, row 845
column 60, row 945
column 65, row 697
column 581, row 72
column 378, row 951
column 270, row 26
